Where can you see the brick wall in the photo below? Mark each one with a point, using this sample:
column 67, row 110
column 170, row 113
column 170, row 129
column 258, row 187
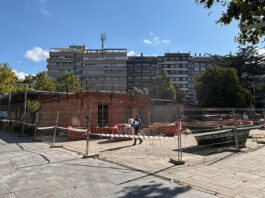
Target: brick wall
column 75, row 108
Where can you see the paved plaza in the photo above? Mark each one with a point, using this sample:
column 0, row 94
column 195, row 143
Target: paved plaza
column 33, row 169
column 227, row 174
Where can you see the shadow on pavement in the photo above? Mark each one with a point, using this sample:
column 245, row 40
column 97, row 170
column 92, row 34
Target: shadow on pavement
column 13, row 138
column 153, row 190
column 204, row 150
column 107, row 141
column 117, row 148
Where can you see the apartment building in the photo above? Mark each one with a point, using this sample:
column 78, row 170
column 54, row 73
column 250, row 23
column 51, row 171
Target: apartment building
column 141, row 70
column 198, row 65
column 98, row 69
column 182, row 68
column 176, row 65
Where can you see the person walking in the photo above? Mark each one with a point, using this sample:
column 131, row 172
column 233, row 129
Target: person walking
column 137, row 126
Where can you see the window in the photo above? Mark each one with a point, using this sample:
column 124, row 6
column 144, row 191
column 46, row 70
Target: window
column 103, row 111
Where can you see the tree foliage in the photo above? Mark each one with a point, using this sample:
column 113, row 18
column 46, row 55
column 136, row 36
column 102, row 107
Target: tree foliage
column 44, row 83
column 139, row 91
column 8, row 79
column 246, row 12
column 40, row 82
column 221, row 87
column 33, row 106
column 180, row 95
column 248, row 62
column 162, row 88
column 68, row 82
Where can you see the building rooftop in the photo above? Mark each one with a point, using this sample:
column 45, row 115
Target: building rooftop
column 84, row 49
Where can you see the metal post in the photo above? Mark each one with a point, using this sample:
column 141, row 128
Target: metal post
column 55, row 129
column 86, row 155
column 236, row 138
column 233, row 113
column 102, row 117
column 9, row 109
column 179, row 161
column 88, row 131
column 25, row 109
column 36, row 124
column 180, row 147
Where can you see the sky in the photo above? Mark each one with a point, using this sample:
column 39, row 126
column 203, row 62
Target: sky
column 30, row 28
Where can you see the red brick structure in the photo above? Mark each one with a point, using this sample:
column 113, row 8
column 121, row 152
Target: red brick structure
column 107, row 109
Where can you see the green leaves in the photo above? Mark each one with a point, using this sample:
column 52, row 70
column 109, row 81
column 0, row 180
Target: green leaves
column 220, row 87
column 162, row 88
column 33, row 106
column 246, row 12
column 44, row 83
column 8, row 79
column 68, row 82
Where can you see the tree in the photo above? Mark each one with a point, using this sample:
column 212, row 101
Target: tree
column 248, row 62
column 162, row 88
column 30, row 80
column 180, row 95
column 139, row 91
column 8, row 79
column 68, row 82
column 42, row 82
column 33, row 106
column 247, row 12
column 221, row 87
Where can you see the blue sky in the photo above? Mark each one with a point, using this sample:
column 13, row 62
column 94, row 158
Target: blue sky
column 29, row 28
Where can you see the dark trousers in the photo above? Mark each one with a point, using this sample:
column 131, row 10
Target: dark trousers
column 137, row 132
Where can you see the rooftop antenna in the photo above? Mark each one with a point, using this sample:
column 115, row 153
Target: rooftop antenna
column 103, row 39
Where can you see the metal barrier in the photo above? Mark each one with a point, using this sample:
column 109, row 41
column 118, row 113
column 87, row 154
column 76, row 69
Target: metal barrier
column 175, row 142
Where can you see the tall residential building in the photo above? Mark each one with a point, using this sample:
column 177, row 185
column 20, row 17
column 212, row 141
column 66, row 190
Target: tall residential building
column 182, row 68
column 98, row 69
column 141, row 70
column 198, row 65
column 176, row 65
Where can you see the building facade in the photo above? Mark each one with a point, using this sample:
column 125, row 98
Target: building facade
column 97, row 69
column 176, row 65
column 141, row 70
column 110, row 69
column 197, row 65
column 182, row 68
column 105, row 109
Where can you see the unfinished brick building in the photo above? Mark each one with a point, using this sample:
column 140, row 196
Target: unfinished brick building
column 105, row 109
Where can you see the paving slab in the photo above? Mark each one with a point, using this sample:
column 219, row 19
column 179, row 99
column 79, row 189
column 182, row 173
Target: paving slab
column 35, row 170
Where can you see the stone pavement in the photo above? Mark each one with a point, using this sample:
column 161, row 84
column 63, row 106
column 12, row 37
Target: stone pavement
column 231, row 175
column 30, row 169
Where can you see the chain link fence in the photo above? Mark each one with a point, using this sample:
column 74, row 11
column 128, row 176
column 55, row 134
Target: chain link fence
column 186, row 135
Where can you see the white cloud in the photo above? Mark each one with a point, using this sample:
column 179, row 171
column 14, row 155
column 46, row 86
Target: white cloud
column 148, row 42
column 155, row 40
column 132, row 53
column 166, row 41
column 43, row 7
column 20, row 75
column 45, row 12
column 37, row 54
